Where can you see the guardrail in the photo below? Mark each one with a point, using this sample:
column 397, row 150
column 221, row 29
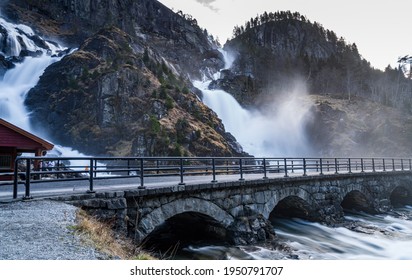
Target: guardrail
column 31, row 170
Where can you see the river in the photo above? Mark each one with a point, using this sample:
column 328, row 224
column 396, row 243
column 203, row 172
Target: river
column 361, row 237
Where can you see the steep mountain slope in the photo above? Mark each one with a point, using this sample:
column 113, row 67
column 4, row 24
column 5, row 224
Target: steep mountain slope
column 175, row 37
column 276, row 49
column 356, row 110
column 125, row 90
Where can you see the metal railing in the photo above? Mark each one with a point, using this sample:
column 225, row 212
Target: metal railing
column 32, row 170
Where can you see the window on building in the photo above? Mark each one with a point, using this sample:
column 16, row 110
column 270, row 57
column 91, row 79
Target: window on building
column 5, row 162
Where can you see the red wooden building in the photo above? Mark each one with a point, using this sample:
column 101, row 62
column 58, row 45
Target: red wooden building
column 14, row 141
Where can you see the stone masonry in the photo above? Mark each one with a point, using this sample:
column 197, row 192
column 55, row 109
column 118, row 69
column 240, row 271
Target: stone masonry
column 244, row 208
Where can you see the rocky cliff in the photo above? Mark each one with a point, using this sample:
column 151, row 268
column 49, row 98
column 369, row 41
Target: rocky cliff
column 175, row 37
column 124, row 90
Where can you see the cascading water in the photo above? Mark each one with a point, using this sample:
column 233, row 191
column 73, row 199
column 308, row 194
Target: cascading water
column 280, row 132
column 24, row 75
column 15, row 85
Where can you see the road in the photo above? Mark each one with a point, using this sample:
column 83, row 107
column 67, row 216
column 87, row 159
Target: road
column 49, row 189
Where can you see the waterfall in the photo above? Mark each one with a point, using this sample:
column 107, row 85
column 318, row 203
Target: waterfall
column 25, row 73
column 279, row 132
column 15, row 85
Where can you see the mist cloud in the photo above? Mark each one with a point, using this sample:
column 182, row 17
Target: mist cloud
column 208, row 4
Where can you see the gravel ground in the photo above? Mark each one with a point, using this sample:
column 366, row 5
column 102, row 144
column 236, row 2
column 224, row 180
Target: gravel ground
column 42, row 230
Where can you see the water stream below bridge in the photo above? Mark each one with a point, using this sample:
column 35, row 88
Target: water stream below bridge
column 362, row 237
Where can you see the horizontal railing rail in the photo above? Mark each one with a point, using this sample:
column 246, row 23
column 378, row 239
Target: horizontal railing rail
column 32, row 170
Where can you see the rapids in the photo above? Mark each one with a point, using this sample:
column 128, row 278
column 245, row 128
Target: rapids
column 362, row 237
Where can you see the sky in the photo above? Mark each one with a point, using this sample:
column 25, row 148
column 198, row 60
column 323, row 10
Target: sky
column 382, row 30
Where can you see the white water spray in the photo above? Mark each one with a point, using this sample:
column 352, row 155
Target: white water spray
column 15, row 85
column 280, row 132
column 16, row 82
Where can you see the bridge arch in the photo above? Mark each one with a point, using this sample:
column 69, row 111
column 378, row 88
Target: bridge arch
column 296, row 202
column 193, row 209
column 292, row 207
column 400, row 196
column 357, row 200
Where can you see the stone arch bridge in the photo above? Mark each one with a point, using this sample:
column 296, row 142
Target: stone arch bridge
column 240, row 212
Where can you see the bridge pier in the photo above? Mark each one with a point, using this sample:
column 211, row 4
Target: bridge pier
column 250, row 227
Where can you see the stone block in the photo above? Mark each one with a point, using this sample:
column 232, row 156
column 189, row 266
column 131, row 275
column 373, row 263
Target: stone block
column 237, row 211
column 119, row 203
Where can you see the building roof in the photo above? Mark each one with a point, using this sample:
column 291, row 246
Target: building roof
column 13, row 136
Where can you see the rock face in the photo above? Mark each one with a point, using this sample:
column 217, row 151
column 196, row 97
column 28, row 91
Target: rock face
column 107, row 98
column 358, row 128
column 175, row 37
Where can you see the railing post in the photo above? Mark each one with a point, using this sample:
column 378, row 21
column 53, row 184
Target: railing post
column 362, row 167
column 410, row 164
column 384, row 165
column 214, row 171
column 27, row 183
column 393, row 165
column 141, row 174
column 264, row 169
column 293, row 171
column 58, row 169
column 321, row 166
column 181, row 173
column 286, row 167
column 91, row 175
column 373, row 165
column 336, row 166
column 304, row 167
column 349, row 167
column 241, row 169
column 402, row 164
column 15, row 179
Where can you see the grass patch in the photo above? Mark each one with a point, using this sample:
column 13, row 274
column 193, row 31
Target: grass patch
column 104, row 239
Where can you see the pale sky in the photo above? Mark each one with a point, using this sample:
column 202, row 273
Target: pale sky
column 381, row 29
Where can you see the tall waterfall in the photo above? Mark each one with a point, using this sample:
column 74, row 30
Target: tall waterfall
column 25, row 73
column 280, row 132
column 15, row 85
